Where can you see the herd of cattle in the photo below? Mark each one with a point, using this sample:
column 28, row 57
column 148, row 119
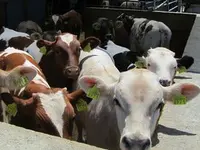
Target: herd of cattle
column 60, row 71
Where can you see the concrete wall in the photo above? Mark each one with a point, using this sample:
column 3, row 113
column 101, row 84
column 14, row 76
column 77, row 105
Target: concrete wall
column 16, row 138
column 180, row 24
column 193, row 45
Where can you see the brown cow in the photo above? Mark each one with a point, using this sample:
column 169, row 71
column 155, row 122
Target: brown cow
column 60, row 63
column 40, row 107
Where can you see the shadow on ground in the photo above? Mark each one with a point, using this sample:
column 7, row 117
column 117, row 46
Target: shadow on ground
column 168, row 131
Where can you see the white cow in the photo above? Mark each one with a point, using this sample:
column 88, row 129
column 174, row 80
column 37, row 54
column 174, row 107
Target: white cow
column 161, row 61
column 6, row 34
column 126, row 114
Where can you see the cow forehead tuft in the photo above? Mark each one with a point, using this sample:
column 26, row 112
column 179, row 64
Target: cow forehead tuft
column 67, row 38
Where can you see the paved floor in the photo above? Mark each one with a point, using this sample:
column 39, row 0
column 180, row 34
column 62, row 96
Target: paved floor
column 179, row 127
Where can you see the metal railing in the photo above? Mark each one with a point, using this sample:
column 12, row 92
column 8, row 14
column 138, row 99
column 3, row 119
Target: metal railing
column 161, row 5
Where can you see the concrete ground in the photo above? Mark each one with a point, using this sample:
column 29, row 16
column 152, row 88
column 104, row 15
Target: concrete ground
column 179, row 127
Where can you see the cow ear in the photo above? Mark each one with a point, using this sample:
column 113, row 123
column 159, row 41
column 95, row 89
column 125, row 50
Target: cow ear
column 96, row 26
column 94, row 42
column 189, row 90
column 41, row 43
column 15, row 78
column 87, row 82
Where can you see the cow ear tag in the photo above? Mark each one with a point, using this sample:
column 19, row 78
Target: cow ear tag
column 43, row 50
column 181, row 69
column 22, row 82
column 12, row 109
column 87, row 48
column 93, row 93
column 139, row 64
column 81, row 105
column 179, row 99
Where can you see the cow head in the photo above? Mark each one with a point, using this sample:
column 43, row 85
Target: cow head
column 103, row 29
column 66, row 50
column 127, row 21
column 69, row 22
column 161, row 61
column 137, row 98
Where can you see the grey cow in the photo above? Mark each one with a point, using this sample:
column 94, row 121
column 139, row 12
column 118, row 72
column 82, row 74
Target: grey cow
column 145, row 34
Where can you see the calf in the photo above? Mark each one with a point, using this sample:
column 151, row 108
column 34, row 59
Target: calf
column 123, row 116
column 69, row 22
column 31, row 28
column 6, row 34
column 60, row 63
column 40, row 107
column 145, row 34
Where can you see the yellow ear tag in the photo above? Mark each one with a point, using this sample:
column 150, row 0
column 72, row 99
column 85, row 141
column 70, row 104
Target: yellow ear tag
column 81, row 105
column 12, row 109
column 93, row 93
column 87, row 48
column 43, row 50
column 179, row 99
column 139, row 64
column 181, row 69
column 22, row 82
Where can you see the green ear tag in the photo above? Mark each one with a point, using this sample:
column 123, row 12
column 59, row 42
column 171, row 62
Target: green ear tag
column 181, row 69
column 179, row 99
column 22, row 82
column 81, row 105
column 139, row 64
column 93, row 93
column 43, row 50
column 87, row 48
column 12, row 109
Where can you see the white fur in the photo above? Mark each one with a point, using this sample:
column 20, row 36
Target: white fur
column 162, row 62
column 55, row 19
column 54, row 105
column 12, row 50
column 34, row 51
column 67, row 38
column 9, row 33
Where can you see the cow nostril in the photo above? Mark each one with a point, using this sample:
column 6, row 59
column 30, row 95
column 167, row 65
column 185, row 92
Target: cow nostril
column 126, row 141
column 145, row 143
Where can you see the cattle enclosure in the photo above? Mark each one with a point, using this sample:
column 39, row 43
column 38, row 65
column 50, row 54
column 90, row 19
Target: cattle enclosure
column 180, row 24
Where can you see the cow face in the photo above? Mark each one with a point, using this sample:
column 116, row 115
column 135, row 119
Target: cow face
column 162, row 62
column 138, row 99
column 103, row 29
column 66, row 50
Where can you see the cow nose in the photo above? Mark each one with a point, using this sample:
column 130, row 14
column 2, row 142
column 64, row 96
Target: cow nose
column 164, row 82
column 108, row 36
column 72, row 71
column 142, row 144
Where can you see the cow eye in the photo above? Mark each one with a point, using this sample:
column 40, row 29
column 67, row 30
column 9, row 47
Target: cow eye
column 116, row 101
column 175, row 67
column 148, row 65
column 57, row 52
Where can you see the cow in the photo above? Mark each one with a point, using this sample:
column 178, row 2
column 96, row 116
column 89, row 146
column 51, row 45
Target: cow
column 6, row 34
column 126, row 113
column 40, row 107
column 145, row 34
column 60, row 64
column 69, row 22
column 31, row 28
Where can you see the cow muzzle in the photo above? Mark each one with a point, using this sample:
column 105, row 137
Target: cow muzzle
column 165, row 82
column 72, row 72
column 140, row 144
